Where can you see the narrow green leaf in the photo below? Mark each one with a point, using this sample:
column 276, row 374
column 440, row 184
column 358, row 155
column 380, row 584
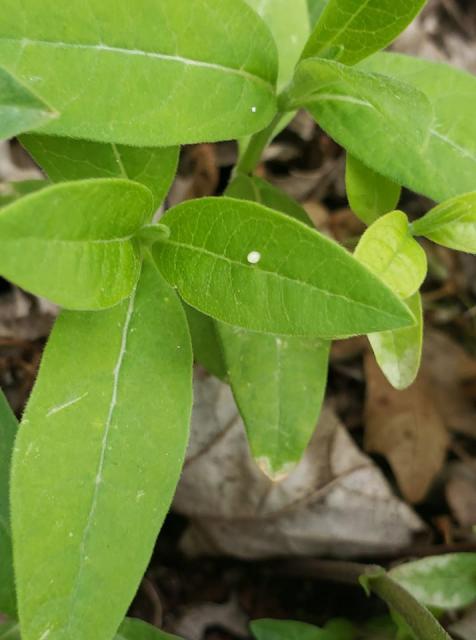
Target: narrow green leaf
column 381, row 121
column 370, row 194
column 349, row 31
column 279, row 384
column 10, row 631
column 20, row 108
column 8, row 429
column 260, row 191
column 444, row 582
column 288, row 21
column 97, row 460
column 446, row 165
column 316, row 7
column 66, row 159
column 278, row 381
column 76, row 241
column 151, row 73
column 398, row 353
column 132, row 629
column 267, row 629
column 249, row 266
column 11, row 191
column 388, row 250
column 451, row 224
column 207, row 349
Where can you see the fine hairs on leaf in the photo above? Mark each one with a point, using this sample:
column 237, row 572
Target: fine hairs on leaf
column 102, row 96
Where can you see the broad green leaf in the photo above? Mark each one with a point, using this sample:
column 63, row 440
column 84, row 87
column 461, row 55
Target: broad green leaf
column 370, row 194
column 249, row 266
column 147, row 73
column 444, row 582
column 349, row 31
column 207, row 349
column 316, row 7
column 388, row 249
column 398, row 353
column 288, row 21
column 67, row 159
column 446, row 165
column 381, row 121
column 451, row 224
column 11, row 191
column 279, row 384
column 10, row 631
column 20, row 108
column 73, row 242
column 97, row 459
column 260, row 191
column 133, row 629
column 267, row 629
column 8, row 429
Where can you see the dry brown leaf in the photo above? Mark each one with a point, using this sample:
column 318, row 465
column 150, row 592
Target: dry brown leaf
column 461, row 493
column 406, row 428
column 336, row 502
column 448, row 370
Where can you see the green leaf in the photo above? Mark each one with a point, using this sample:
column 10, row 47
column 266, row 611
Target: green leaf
column 381, row 121
column 349, row 31
column 132, row 629
column 207, row 349
column 97, row 460
column 249, row 266
column 451, row 224
column 279, row 384
column 444, row 582
column 398, row 353
column 388, row 250
column 11, row 191
column 260, row 191
column 20, row 108
column 446, row 165
column 10, row 631
column 370, row 194
column 67, row 159
column 76, row 241
column 316, row 7
column 152, row 73
column 267, row 629
column 8, row 429
column 288, row 21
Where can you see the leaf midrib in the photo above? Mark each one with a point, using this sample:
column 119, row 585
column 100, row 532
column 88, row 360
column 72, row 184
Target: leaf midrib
column 283, row 277
column 25, row 42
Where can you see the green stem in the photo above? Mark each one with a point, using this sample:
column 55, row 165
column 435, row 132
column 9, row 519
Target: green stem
column 258, row 143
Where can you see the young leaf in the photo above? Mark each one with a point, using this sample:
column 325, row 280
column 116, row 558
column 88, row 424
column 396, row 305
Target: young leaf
column 444, row 582
column 152, row 73
column 398, row 353
column 11, row 191
column 260, row 191
column 290, row 630
column 381, row 121
column 207, row 349
column 350, row 31
column 66, row 159
column 8, row 429
column 388, row 249
column 288, row 21
column 451, row 224
column 446, row 165
column 76, row 241
column 97, row 460
column 279, row 384
column 249, row 266
column 132, row 629
column 370, row 194
column 20, row 109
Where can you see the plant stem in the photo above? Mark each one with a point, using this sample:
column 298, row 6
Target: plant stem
column 258, row 143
